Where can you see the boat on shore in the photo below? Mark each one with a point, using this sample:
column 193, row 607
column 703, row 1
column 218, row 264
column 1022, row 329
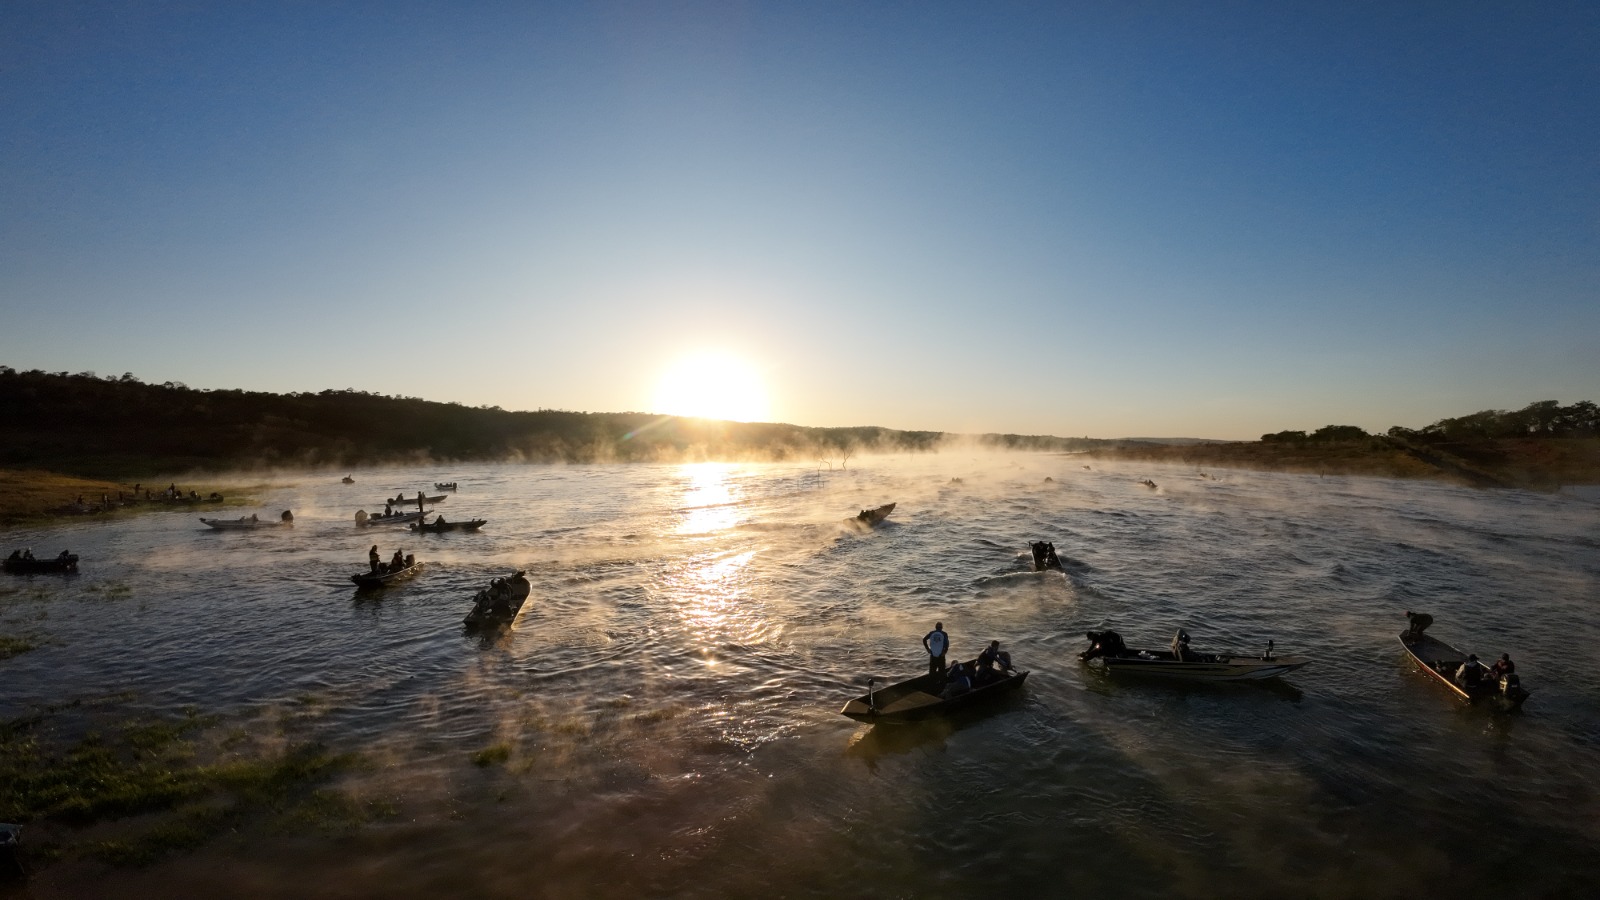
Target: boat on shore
column 926, row 697
column 1442, row 660
column 17, row 564
column 248, row 522
column 442, row 526
column 398, row 518
column 869, row 518
column 384, row 578
column 1118, row 659
column 499, row 604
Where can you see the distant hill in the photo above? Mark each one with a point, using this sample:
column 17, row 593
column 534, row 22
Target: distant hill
column 121, row 427
column 1543, row 446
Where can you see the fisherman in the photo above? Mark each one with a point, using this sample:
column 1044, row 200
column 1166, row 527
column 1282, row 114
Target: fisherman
column 1180, row 646
column 388, row 508
column 987, row 661
column 1502, row 667
column 374, row 558
column 65, row 555
column 936, row 642
column 960, row 681
column 439, row 522
column 27, row 553
column 1470, row 675
column 398, row 562
column 1419, row 623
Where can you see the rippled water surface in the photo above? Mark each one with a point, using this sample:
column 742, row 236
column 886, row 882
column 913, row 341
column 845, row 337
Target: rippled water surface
column 670, row 694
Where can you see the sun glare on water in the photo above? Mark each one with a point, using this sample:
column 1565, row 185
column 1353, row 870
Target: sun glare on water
column 712, row 386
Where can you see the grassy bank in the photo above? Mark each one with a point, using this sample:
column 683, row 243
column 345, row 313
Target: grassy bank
column 30, row 496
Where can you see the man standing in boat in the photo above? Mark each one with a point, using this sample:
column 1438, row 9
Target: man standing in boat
column 373, row 558
column 937, row 643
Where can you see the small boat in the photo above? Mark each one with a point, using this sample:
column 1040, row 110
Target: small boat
column 1044, row 556
column 869, row 518
column 403, row 500
column 926, row 697
column 499, row 604
column 348, row 480
column 398, row 518
column 17, row 564
column 1442, row 660
column 1149, row 484
column 1117, row 658
column 368, row 580
column 442, row 526
column 253, row 521
column 444, row 485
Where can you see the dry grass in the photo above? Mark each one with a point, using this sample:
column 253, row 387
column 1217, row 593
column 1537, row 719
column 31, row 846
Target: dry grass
column 34, row 495
column 30, row 493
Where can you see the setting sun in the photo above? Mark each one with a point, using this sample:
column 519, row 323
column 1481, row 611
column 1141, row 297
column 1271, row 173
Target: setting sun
column 712, row 386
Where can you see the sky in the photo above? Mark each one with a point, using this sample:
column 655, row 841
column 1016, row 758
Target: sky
column 1100, row 219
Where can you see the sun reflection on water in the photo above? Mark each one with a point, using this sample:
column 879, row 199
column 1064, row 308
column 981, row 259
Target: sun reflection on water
column 711, row 501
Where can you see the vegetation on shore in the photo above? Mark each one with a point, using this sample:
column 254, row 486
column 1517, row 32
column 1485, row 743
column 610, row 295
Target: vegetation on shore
column 1542, row 446
column 121, row 428
column 33, row 495
column 118, row 427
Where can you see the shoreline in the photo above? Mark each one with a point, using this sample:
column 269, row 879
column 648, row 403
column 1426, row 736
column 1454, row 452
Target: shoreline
column 38, row 496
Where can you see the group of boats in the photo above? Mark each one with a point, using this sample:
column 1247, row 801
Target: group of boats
column 928, row 696
column 396, row 513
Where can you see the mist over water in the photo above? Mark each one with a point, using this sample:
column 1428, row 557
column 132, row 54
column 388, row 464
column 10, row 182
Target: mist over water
column 670, row 694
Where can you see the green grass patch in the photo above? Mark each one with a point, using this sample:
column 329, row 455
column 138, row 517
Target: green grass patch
column 11, row 646
column 156, row 781
column 492, row 755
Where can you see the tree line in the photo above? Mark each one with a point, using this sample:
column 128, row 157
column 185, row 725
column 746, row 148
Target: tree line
column 119, row 425
column 1540, row 419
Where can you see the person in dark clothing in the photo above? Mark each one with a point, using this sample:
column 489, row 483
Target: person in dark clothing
column 1470, row 675
column 374, row 558
column 1419, row 623
column 937, row 643
column 1502, row 667
column 1180, row 646
column 398, row 562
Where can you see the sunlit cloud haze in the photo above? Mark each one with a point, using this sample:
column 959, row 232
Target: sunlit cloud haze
column 1098, row 219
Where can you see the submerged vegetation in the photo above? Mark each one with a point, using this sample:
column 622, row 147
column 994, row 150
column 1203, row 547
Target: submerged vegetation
column 137, row 791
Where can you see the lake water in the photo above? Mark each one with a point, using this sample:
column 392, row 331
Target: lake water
column 670, row 695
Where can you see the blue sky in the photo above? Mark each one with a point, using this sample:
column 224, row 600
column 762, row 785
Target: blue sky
column 1098, row 219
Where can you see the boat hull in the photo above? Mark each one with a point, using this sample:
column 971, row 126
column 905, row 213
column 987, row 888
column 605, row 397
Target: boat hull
column 244, row 524
column 436, row 528
column 40, row 566
column 366, row 581
column 919, row 699
column 492, row 618
column 1226, row 668
column 869, row 518
column 1440, row 661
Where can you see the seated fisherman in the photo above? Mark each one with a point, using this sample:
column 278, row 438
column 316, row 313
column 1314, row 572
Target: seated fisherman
column 1180, row 647
column 1470, row 675
column 397, row 562
column 1502, row 667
